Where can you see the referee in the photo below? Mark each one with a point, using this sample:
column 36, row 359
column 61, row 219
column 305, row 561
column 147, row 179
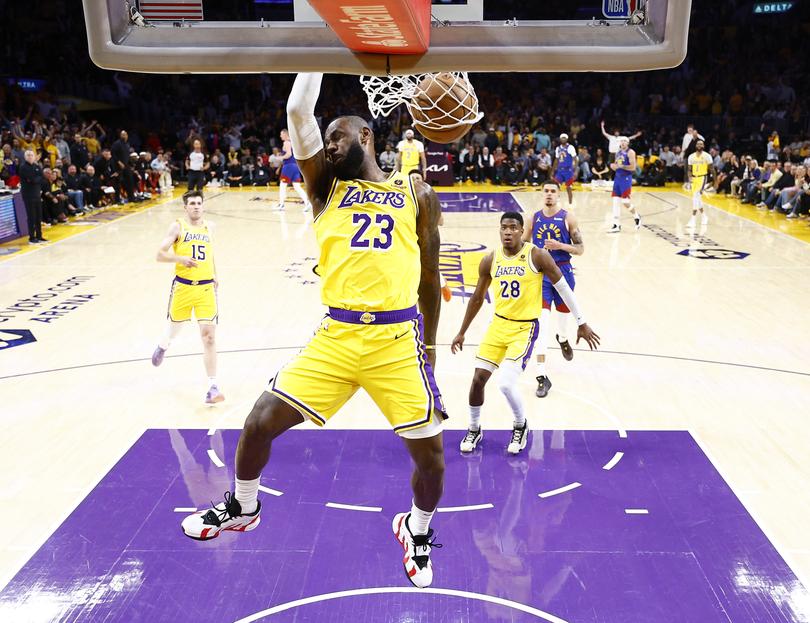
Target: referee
column 196, row 166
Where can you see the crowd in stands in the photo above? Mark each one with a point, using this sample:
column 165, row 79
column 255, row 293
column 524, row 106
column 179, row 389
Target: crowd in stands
column 754, row 124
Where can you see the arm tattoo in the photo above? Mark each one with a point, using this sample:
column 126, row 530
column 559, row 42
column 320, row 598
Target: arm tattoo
column 576, row 236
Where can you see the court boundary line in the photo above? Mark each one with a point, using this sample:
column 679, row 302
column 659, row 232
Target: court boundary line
column 298, row 347
column 776, row 543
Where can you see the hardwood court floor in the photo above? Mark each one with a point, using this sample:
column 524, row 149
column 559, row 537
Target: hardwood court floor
column 703, row 333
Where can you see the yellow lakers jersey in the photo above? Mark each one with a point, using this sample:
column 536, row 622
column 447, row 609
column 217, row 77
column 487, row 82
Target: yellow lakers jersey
column 195, row 242
column 409, row 153
column 370, row 258
column 700, row 164
column 518, row 285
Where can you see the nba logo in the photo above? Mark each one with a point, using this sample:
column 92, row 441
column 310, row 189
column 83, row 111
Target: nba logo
column 618, row 9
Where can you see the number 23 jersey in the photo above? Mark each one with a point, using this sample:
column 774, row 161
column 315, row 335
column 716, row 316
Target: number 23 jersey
column 370, row 257
column 517, row 285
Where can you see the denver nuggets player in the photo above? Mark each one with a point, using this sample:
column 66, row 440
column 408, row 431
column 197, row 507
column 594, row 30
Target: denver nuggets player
column 624, row 166
column 290, row 174
column 189, row 246
column 517, row 270
column 565, row 165
column 700, row 163
column 557, row 231
column 379, row 258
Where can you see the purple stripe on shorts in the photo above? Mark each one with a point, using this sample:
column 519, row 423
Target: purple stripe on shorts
column 305, row 410
column 428, row 369
column 532, row 340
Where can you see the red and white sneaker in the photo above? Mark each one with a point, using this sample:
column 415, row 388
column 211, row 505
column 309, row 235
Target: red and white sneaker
column 206, row 525
column 417, row 548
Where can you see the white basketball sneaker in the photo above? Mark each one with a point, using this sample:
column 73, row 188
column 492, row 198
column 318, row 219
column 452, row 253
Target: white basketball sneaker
column 520, row 435
column 207, row 524
column 471, row 440
column 417, row 548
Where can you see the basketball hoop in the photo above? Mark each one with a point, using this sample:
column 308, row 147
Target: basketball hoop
column 443, row 106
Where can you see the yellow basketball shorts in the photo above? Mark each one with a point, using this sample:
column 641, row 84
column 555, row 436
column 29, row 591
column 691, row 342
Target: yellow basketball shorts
column 200, row 299
column 508, row 339
column 388, row 361
column 699, row 184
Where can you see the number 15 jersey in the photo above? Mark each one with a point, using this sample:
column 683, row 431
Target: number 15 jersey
column 517, row 284
column 370, row 257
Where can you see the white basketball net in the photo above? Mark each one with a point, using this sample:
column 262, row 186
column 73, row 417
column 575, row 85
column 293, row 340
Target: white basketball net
column 387, row 92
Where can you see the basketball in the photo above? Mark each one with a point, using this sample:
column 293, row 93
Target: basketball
column 444, row 107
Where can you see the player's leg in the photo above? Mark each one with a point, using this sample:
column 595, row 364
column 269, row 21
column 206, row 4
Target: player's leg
column 474, row 435
column 240, row 511
column 628, row 204
column 697, row 204
column 300, row 190
column 617, row 214
column 412, row 529
column 282, row 193
column 568, row 189
column 180, row 307
column 316, row 384
column 543, row 382
column 522, row 338
column 208, row 336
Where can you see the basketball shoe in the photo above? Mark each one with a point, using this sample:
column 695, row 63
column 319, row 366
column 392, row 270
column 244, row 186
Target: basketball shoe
column 206, row 525
column 615, row 229
column 565, row 347
column 543, row 385
column 416, row 560
column 520, row 436
column 214, row 395
column 471, row 440
column 157, row 356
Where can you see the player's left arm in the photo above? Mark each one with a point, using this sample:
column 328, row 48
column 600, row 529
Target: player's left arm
column 545, row 263
column 423, row 159
column 430, row 285
column 577, row 247
column 211, row 229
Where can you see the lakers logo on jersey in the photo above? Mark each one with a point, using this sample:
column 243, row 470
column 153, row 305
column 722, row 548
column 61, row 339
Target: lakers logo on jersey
column 518, row 285
column 195, row 241
column 370, row 259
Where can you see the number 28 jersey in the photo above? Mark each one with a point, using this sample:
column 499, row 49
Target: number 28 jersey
column 196, row 242
column 370, row 258
column 517, row 285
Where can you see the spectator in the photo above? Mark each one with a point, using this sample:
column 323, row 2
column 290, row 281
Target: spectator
column 161, row 168
column 388, row 159
column 235, row 172
column 600, row 169
column 91, row 185
column 276, row 160
column 78, row 152
column 499, row 159
column 470, row 166
column 54, row 201
column 73, row 186
column 120, row 151
column 786, row 181
column 486, row 165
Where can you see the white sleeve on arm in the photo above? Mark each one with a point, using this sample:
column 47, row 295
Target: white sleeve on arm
column 305, row 135
column 567, row 294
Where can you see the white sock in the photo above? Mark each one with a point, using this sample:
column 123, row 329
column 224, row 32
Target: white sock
column 617, row 209
column 247, row 494
column 172, row 331
column 212, row 380
column 282, row 193
column 419, row 521
column 562, row 325
column 475, row 417
column 507, row 383
column 541, row 366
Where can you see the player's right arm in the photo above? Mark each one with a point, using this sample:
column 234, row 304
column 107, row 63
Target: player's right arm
column 475, row 302
column 165, row 253
column 306, row 138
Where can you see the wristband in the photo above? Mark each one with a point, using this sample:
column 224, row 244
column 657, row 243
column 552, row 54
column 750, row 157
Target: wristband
column 430, row 347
